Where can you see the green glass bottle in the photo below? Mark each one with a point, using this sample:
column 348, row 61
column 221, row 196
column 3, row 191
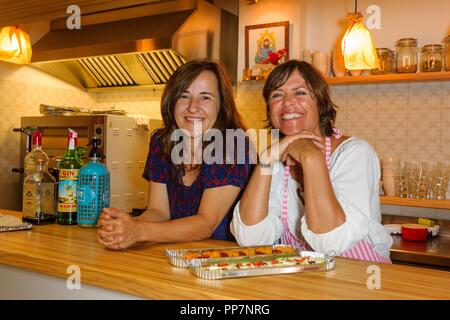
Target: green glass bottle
column 68, row 180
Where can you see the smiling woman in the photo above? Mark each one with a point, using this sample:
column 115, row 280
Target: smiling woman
column 188, row 200
column 336, row 210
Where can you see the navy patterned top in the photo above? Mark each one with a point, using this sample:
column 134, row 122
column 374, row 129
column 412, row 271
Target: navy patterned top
column 184, row 200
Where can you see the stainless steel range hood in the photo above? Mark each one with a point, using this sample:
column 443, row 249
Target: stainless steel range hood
column 142, row 51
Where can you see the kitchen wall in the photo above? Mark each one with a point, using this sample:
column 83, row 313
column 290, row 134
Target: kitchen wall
column 409, row 120
column 145, row 103
column 319, row 24
column 22, row 90
column 428, row 21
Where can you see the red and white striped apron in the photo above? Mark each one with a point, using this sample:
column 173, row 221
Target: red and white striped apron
column 363, row 250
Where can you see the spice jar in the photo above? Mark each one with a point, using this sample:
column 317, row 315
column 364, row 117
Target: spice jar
column 392, row 61
column 406, row 61
column 447, row 53
column 431, row 58
column 385, row 63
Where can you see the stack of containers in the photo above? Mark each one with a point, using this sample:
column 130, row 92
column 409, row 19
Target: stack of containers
column 390, row 167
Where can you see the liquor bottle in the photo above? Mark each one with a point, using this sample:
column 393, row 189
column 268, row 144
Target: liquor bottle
column 93, row 191
column 35, row 154
column 69, row 167
column 39, row 196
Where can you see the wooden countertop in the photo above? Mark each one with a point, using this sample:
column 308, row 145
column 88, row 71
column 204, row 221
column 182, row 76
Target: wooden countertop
column 144, row 271
column 433, row 252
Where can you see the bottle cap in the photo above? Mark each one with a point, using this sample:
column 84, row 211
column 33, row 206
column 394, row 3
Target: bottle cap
column 37, row 138
column 73, row 136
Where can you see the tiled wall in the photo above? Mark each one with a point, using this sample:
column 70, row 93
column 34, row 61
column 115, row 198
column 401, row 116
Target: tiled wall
column 19, row 99
column 134, row 102
column 411, row 120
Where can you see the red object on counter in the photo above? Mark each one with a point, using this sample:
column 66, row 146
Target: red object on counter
column 414, row 232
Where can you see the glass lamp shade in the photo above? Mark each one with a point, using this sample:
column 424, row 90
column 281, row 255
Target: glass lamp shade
column 357, row 46
column 15, row 45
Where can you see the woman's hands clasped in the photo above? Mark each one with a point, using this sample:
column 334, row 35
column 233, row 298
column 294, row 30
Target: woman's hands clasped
column 290, row 148
column 302, row 147
column 118, row 230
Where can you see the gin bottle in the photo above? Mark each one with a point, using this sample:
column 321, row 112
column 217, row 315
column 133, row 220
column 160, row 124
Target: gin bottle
column 39, row 196
column 69, row 167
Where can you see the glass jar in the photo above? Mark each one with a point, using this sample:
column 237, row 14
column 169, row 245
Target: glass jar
column 431, row 58
column 447, row 53
column 392, row 61
column 407, row 59
column 385, row 63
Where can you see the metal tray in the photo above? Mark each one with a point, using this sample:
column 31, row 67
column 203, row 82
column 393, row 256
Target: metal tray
column 202, row 268
column 178, row 259
column 22, row 226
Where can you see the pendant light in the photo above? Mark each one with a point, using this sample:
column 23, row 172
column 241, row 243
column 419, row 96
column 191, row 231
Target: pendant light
column 357, row 44
column 15, row 45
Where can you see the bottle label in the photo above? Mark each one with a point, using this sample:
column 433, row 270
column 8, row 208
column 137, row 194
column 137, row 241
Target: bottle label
column 48, row 198
column 38, row 200
column 85, row 195
column 29, row 207
column 67, row 190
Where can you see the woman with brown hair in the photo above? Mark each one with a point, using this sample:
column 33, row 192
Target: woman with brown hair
column 313, row 188
column 187, row 200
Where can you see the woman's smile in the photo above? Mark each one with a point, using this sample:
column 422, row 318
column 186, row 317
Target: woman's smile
column 292, row 108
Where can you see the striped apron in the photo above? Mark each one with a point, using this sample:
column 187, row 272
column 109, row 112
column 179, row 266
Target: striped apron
column 363, row 250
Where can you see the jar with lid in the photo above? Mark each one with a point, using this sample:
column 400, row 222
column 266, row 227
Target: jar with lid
column 392, row 61
column 431, row 58
column 407, row 57
column 385, row 63
column 447, row 53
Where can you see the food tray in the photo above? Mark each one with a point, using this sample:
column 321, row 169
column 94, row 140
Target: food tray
column 306, row 261
column 183, row 257
column 22, row 226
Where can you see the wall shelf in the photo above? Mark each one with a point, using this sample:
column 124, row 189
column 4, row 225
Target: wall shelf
column 376, row 79
column 390, row 78
column 435, row 204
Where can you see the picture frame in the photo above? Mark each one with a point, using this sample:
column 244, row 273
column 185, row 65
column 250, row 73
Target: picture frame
column 261, row 38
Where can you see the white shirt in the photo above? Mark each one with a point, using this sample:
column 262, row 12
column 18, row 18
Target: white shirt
column 355, row 176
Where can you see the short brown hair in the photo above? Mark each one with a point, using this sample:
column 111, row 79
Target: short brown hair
column 316, row 85
column 181, row 79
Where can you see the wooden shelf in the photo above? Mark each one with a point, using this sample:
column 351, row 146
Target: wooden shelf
column 375, row 79
column 390, row 78
column 435, row 204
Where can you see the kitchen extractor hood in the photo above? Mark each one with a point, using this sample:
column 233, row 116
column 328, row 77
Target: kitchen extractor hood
column 142, row 51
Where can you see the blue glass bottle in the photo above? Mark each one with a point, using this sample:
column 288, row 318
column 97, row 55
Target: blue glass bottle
column 93, row 188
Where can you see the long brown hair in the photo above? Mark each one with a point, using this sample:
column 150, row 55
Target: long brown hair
column 316, row 85
column 227, row 118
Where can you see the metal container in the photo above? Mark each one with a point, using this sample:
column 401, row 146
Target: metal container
column 306, row 261
column 183, row 257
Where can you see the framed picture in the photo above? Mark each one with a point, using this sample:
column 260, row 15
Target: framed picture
column 261, row 39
